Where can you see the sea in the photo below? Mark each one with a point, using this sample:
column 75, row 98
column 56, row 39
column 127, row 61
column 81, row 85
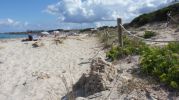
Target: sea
column 12, row 36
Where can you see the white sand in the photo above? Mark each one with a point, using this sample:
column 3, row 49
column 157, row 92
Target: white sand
column 28, row 73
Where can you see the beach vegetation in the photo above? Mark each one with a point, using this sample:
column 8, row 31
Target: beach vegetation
column 157, row 16
column 131, row 47
column 149, row 34
column 162, row 63
column 159, row 62
column 107, row 37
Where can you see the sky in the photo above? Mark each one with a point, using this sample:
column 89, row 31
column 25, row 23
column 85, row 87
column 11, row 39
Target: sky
column 22, row 15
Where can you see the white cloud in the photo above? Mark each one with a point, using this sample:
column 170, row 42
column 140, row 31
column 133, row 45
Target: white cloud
column 9, row 22
column 89, row 11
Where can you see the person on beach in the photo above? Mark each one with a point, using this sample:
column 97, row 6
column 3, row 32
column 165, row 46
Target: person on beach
column 30, row 37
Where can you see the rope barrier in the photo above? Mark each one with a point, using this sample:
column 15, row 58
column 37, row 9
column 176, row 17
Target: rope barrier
column 130, row 33
column 141, row 37
column 172, row 18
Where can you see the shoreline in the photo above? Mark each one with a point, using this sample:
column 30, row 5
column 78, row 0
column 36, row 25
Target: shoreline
column 11, row 39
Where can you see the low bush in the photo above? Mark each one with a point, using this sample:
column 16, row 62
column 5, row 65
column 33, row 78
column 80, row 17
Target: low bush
column 131, row 47
column 149, row 34
column 159, row 62
column 162, row 63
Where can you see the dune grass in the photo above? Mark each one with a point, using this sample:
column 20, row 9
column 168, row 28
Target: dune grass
column 107, row 36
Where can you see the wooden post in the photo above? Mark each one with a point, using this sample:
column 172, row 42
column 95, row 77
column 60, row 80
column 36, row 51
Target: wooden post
column 119, row 21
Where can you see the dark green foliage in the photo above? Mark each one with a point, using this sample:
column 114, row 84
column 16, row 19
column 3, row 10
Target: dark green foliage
column 149, row 34
column 86, row 30
column 131, row 47
column 174, row 84
column 162, row 63
column 159, row 15
column 103, row 27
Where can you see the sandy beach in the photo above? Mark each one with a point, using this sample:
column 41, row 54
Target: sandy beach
column 50, row 71
column 89, row 50
column 28, row 73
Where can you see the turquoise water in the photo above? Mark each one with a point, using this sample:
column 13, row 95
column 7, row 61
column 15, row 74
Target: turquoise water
column 12, row 36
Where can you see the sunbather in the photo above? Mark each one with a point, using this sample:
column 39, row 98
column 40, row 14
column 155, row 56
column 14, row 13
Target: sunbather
column 30, row 37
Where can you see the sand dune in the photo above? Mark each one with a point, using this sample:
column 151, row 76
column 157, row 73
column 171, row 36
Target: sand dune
column 28, row 73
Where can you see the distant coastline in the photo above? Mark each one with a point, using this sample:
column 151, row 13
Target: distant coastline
column 12, row 35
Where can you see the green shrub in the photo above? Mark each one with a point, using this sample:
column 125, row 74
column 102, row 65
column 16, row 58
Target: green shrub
column 113, row 53
column 149, row 34
column 131, row 47
column 162, row 63
column 174, row 84
column 174, row 47
column 159, row 62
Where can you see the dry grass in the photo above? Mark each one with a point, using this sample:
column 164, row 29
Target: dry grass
column 37, row 44
column 59, row 40
column 108, row 37
column 79, row 39
column 2, row 47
